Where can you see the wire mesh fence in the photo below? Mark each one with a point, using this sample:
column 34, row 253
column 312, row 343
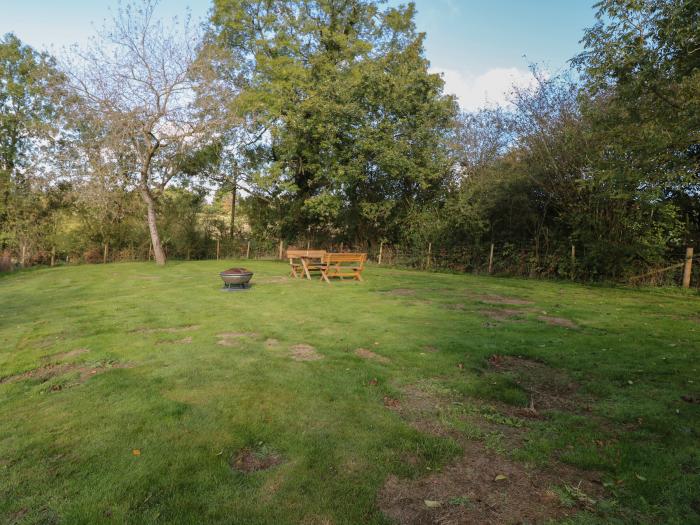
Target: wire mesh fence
column 508, row 259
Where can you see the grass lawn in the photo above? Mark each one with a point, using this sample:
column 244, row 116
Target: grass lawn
column 136, row 394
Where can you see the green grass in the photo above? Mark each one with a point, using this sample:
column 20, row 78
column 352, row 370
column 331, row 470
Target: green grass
column 66, row 444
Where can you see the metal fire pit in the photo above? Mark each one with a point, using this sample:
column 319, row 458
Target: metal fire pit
column 236, row 279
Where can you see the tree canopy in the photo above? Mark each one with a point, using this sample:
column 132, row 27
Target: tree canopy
column 319, row 121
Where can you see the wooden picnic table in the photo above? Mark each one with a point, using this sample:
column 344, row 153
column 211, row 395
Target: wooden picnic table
column 309, row 260
column 311, row 263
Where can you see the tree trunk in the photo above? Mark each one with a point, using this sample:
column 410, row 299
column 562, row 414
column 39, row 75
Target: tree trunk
column 234, row 189
column 158, row 252
column 233, row 209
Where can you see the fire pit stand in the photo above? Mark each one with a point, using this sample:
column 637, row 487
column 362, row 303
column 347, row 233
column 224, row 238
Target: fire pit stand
column 236, row 279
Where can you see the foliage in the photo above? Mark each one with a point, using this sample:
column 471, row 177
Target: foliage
column 317, row 121
column 28, row 119
column 355, row 120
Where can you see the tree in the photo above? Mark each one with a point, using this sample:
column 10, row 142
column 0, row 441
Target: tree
column 145, row 85
column 355, row 121
column 28, row 122
column 641, row 65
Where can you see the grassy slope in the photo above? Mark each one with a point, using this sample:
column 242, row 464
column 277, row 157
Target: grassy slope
column 190, row 407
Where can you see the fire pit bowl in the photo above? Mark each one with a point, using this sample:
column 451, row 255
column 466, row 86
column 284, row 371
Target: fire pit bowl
column 236, row 278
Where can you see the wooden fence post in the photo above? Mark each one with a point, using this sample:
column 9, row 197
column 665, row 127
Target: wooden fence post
column 573, row 261
column 218, row 248
column 53, row 255
column 105, row 253
column 281, row 249
column 688, row 266
column 381, row 246
column 308, row 245
column 491, row 259
column 247, row 251
column 430, row 249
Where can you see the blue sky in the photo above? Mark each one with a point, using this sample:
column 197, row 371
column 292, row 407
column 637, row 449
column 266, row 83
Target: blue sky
column 480, row 46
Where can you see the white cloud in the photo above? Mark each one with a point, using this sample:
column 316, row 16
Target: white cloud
column 491, row 88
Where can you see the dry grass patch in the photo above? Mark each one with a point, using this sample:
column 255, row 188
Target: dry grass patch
column 558, row 321
column 249, row 460
column 304, row 352
column 501, row 314
column 483, row 485
column 271, row 343
column 66, row 355
column 500, row 299
column 45, row 373
column 168, row 330
column 234, row 338
column 547, row 387
column 368, row 354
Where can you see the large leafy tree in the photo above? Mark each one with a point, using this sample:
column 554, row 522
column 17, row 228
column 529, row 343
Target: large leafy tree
column 642, row 68
column 146, row 101
column 355, row 121
column 28, row 121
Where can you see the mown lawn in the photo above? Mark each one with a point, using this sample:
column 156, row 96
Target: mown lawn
column 135, row 394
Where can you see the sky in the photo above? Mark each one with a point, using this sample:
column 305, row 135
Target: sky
column 481, row 47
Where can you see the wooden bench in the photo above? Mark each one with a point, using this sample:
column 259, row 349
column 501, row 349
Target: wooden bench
column 302, row 262
column 342, row 265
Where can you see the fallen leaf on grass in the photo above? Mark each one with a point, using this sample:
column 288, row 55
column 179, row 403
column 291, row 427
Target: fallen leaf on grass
column 432, row 504
column 500, row 477
column 136, row 452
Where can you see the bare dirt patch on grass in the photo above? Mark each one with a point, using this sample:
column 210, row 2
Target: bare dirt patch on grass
column 483, row 485
column 167, row 330
column 420, row 408
column 249, row 460
column 456, row 306
column 558, row 321
column 45, row 373
column 499, row 299
column 234, row 338
column 547, row 387
column 271, row 343
column 502, row 314
column 304, row 352
column 66, row 355
column 368, row 354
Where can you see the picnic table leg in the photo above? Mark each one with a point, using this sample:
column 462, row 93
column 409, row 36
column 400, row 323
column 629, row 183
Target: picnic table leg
column 324, row 276
column 306, row 269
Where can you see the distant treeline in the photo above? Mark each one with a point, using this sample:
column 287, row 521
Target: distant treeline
column 319, row 122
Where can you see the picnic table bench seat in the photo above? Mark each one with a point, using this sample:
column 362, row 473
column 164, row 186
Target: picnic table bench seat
column 342, row 265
